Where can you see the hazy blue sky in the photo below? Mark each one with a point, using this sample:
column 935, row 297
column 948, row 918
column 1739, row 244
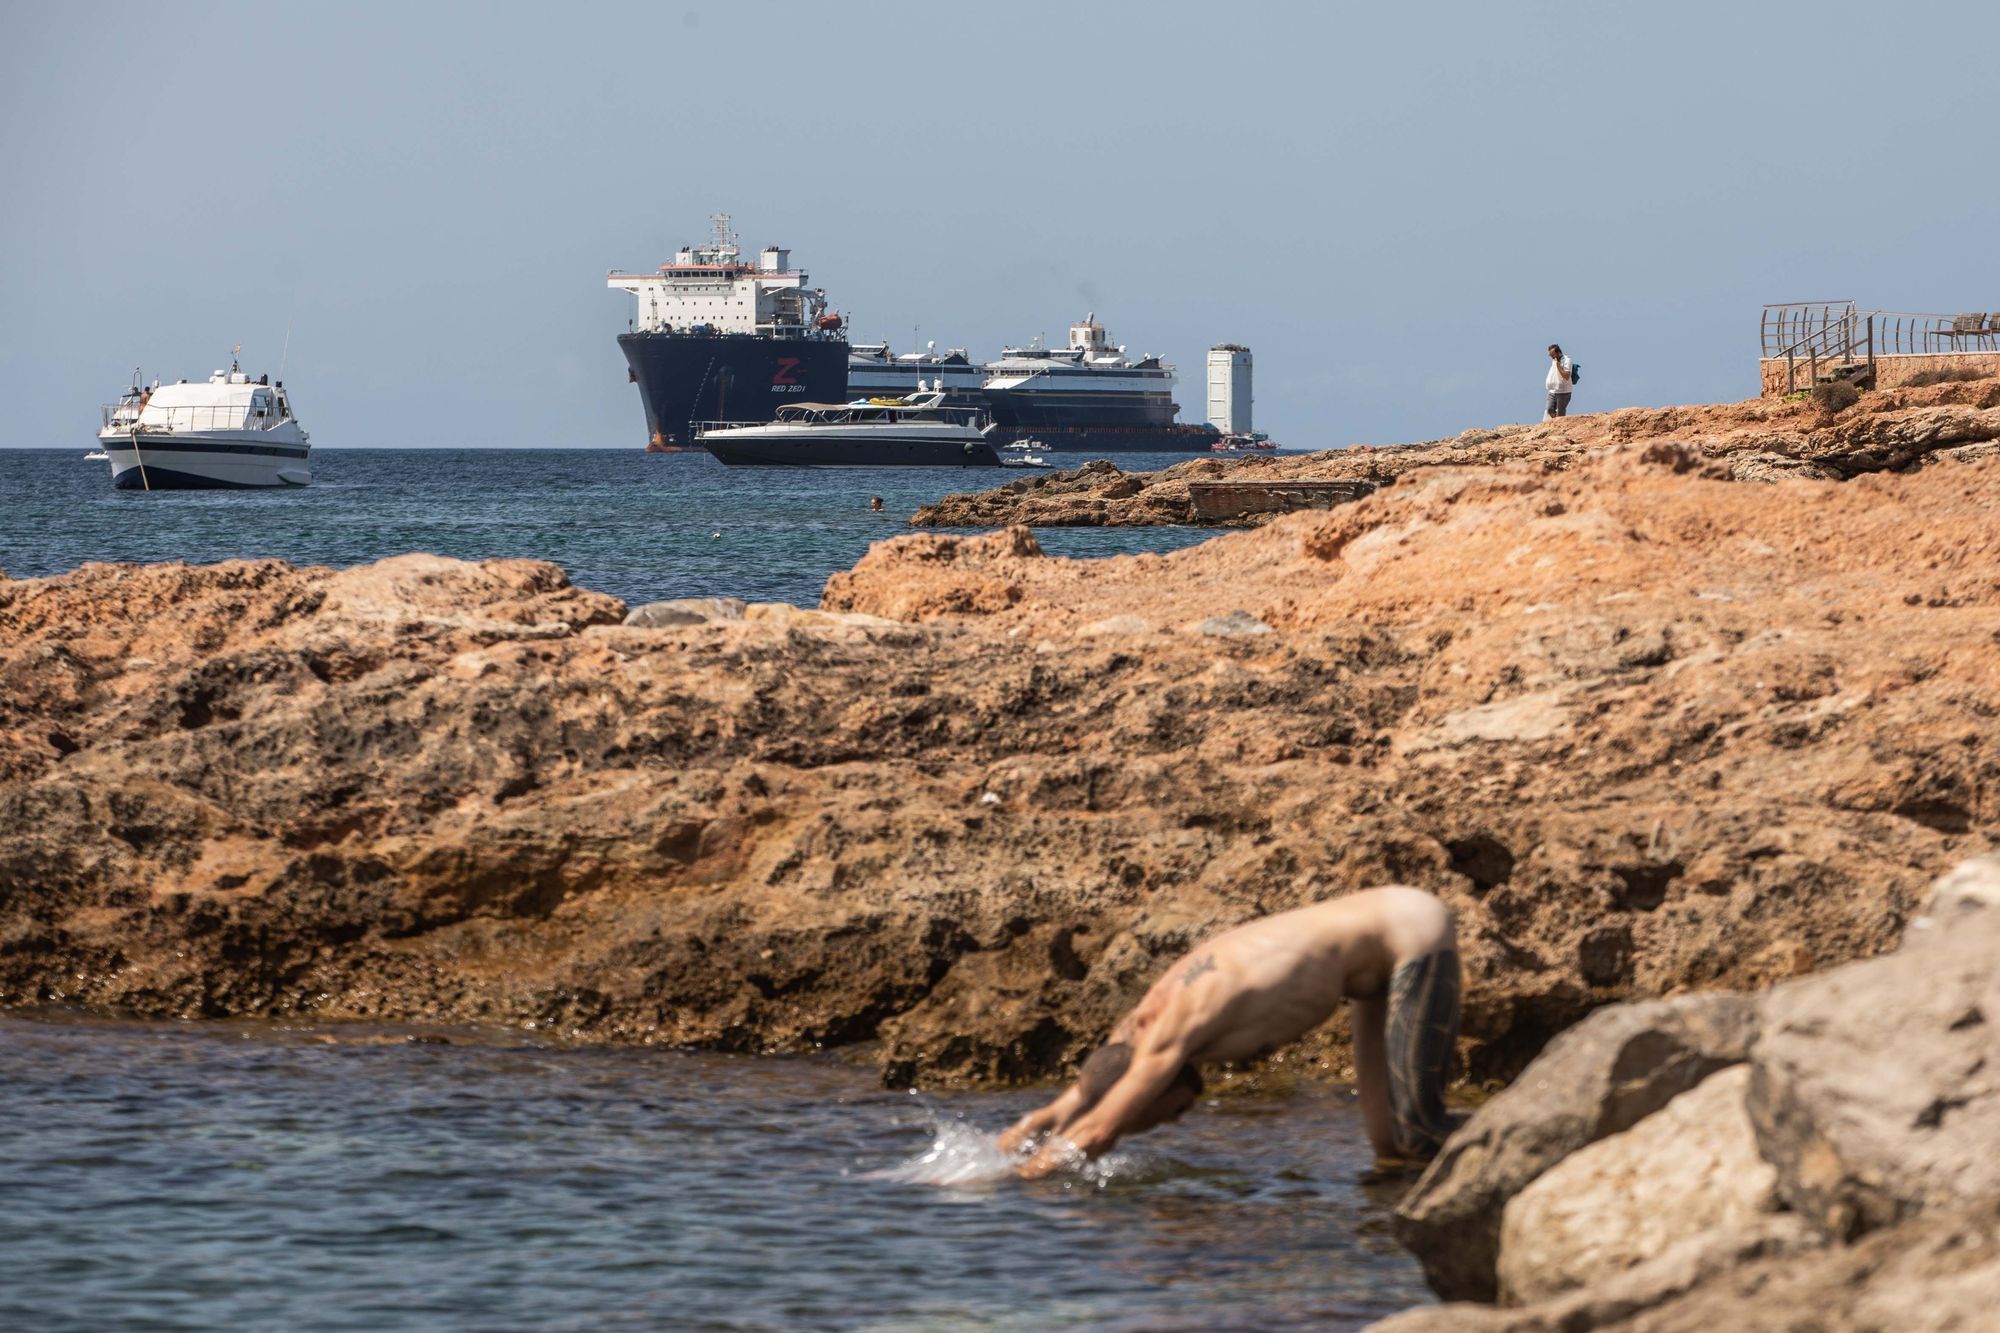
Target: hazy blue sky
column 1396, row 206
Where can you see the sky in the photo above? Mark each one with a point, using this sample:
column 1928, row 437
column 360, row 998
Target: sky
column 413, row 207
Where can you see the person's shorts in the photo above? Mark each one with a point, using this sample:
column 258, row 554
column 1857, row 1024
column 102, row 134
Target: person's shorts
column 1558, row 404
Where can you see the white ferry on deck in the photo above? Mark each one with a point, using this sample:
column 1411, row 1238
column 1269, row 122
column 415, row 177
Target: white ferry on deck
column 1088, row 395
column 873, row 371
column 231, row 431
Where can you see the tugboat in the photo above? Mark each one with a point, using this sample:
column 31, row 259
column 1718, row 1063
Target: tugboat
column 230, row 432
column 918, row 430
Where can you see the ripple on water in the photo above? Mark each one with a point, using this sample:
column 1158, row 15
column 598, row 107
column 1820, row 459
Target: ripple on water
column 205, row 1176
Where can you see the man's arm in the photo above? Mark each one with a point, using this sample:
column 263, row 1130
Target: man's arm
column 1370, row 1018
column 1094, row 1133
column 1043, row 1119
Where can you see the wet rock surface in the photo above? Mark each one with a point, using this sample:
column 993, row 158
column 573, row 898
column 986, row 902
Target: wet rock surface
column 1762, row 440
column 1646, row 728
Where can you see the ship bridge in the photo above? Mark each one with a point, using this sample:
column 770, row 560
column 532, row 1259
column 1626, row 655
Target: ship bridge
column 709, row 288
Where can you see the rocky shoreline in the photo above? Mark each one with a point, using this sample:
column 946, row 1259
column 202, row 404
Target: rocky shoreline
column 1830, row 439
column 1819, row 1156
column 1657, row 735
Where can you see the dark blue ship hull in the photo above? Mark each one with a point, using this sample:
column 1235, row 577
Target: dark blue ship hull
column 687, row 380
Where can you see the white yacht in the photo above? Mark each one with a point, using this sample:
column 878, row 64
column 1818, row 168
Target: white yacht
column 921, row 429
column 231, row 431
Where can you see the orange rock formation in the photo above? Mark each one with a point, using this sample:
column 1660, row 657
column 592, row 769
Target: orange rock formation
column 1649, row 729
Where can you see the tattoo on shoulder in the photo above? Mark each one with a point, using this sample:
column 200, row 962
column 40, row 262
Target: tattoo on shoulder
column 1199, row 967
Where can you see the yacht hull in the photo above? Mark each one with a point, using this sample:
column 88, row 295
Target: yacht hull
column 194, row 463
column 754, row 448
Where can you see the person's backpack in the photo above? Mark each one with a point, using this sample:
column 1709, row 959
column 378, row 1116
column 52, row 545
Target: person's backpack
column 1575, row 373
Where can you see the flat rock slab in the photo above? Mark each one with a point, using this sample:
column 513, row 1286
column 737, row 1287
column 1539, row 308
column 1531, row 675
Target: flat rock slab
column 1222, row 501
column 684, row 611
column 1235, row 625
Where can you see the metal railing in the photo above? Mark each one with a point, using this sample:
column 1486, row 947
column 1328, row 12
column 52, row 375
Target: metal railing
column 1833, row 334
column 1792, row 323
column 192, row 419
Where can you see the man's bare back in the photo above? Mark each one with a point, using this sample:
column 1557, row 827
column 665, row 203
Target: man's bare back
column 1264, row 983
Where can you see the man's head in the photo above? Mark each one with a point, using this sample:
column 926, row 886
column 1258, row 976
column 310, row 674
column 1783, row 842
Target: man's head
column 1108, row 1063
column 1555, row 352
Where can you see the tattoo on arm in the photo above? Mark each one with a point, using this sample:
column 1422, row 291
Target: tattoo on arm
column 1201, row 966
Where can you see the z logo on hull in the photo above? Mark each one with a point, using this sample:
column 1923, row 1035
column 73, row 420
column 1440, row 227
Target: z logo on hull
column 786, row 365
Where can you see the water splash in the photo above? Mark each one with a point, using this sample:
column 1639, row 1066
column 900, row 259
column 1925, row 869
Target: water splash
column 963, row 1156
column 960, row 1154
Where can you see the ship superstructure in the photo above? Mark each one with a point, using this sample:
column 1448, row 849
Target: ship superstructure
column 875, row 372
column 1088, row 395
column 716, row 338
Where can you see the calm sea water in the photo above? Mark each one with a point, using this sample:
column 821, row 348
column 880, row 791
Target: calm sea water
column 236, row 1176
column 233, row 1176
column 636, row 525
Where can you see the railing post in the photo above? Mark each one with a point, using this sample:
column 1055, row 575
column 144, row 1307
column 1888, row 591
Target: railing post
column 1871, row 351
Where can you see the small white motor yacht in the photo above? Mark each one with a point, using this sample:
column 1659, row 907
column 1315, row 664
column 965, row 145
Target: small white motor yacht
column 232, row 431
column 918, row 430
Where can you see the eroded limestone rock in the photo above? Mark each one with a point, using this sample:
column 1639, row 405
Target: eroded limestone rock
column 1876, row 1086
column 1689, row 1170
column 1599, row 1078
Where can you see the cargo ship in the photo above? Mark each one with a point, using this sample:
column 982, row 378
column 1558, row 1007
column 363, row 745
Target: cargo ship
column 718, row 339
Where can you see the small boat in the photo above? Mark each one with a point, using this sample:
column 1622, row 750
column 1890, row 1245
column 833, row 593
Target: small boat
column 917, row 430
column 229, row 432
column 96, row 456
column 1229, row 444
column 1026, row 444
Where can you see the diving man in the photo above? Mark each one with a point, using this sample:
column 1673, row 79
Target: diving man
column 1391, row 952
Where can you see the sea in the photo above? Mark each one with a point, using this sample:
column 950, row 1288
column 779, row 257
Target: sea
column 642, row 527
column 259, row 1176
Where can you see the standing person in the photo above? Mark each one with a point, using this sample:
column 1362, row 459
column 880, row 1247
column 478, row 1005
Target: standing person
column 1391, row 952
column 1561, row 382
